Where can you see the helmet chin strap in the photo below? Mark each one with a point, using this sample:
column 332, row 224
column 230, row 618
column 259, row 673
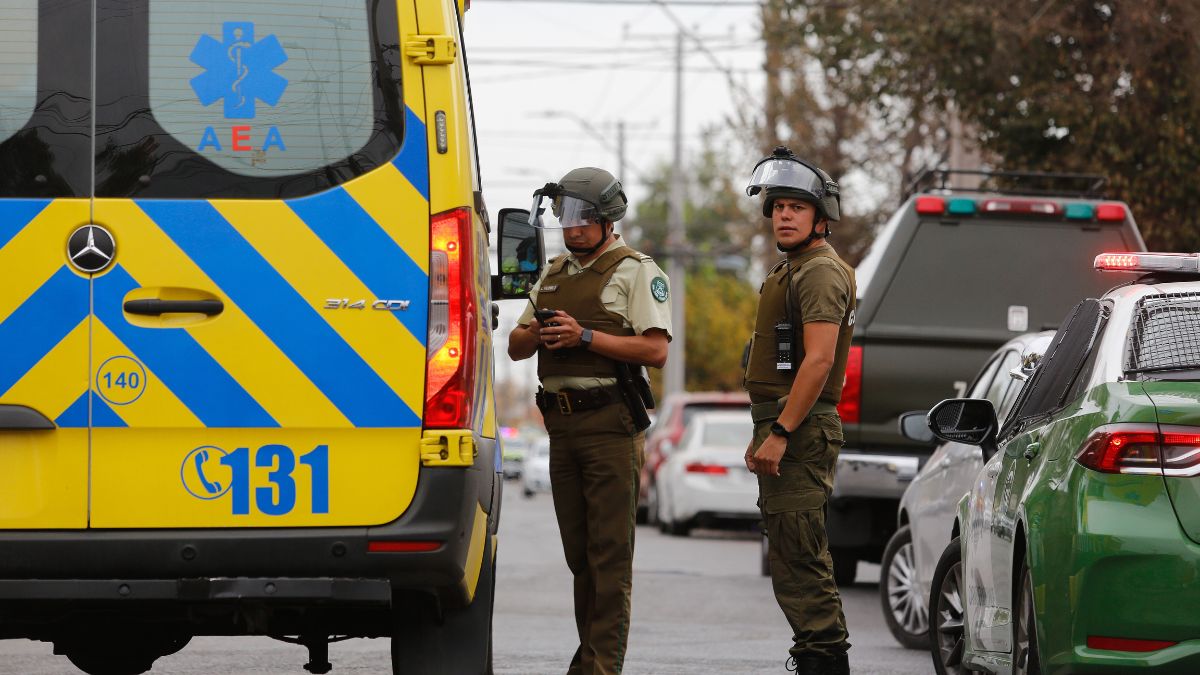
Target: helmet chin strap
column 585, row 252
column 812, row 236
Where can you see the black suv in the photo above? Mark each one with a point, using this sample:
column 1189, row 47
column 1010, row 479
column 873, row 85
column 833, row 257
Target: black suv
column 955, row 273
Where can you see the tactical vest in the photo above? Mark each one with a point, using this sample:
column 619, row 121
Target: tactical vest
column 579, row 295
column 763, row 380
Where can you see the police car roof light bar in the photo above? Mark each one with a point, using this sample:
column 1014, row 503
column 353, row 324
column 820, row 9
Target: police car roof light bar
column 1179, row 263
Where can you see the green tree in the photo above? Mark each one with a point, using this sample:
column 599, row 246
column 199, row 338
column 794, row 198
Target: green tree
column 1084, row 86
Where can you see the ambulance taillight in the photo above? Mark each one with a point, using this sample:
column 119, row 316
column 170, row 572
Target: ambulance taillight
column 450, row 369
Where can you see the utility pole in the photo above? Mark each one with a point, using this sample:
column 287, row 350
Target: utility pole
column 621, row 151
column 673, row 375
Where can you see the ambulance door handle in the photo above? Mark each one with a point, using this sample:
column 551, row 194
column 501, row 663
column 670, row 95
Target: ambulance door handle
column 154, row 307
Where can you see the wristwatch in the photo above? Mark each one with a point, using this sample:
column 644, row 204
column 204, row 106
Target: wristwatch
column 585, row 338
column 780, row 430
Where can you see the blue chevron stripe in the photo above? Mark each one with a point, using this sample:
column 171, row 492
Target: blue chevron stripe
column 373, row 256
column 104, row 416
column 40, row 323
column 283, row 315
column 186, row 369
column 413, row 158
column 15, row 214
column 76, row 416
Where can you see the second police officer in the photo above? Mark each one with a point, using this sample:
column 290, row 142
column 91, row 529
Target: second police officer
column 600, row 309
column 794, row 375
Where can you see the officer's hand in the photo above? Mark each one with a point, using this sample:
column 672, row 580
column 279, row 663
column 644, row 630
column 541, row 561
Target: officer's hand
column 750, row 463
column 565, row 334
column 766, row 459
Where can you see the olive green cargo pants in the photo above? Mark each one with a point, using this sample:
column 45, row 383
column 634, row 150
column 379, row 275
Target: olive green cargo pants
column 595, row 457
column 793, row 508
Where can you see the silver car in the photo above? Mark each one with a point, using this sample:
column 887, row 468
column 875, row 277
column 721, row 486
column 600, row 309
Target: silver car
column 928, row 506
column 535, row 469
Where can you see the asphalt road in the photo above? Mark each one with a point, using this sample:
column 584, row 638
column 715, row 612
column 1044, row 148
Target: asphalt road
column 699, row 606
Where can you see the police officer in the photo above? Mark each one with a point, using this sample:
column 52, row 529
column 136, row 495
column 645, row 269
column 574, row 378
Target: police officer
column 610, row 306
column 794, row 375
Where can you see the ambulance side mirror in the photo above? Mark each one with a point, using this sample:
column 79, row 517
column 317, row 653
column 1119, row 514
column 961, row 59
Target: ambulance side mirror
column 522, row 255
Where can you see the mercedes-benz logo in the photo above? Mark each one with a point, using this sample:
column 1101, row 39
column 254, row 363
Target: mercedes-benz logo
column 91, row 248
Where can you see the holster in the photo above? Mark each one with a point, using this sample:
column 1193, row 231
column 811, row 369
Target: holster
column 633, row 396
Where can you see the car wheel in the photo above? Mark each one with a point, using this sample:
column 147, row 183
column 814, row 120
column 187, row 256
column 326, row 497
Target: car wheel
column 904, row 605
column 946, row 623
column 845, row 566
column 114, row 652
column 1025, row 648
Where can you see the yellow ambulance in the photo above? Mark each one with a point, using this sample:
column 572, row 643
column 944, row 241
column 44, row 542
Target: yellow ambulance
column 245, row 327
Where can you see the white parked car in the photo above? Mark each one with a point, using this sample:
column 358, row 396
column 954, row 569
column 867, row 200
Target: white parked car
column 928, row 506
column 535, row 470
column 704, row 480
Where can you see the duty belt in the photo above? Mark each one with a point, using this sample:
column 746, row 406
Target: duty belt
column 570, row 401
column 769, row 410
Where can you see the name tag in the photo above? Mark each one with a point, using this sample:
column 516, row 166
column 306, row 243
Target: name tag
column 548, row 289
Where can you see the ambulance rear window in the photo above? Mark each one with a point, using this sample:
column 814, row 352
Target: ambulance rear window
column 18, row 65
column 229, row 98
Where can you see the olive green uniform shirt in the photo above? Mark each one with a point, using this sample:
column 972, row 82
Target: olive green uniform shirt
column 638, row 291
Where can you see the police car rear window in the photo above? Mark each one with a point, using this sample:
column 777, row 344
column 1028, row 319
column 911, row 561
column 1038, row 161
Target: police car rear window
column 228, row 98
column 1165, row 336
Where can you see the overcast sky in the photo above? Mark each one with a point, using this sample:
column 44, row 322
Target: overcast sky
column 541, row 70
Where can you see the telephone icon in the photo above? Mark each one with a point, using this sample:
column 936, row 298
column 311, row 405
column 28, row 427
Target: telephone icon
column 213, row 488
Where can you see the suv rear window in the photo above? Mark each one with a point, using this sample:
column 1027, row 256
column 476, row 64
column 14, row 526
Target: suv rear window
column 954, row 269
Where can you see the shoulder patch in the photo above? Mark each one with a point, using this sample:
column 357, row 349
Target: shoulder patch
column 658, row 288
column 645, row 258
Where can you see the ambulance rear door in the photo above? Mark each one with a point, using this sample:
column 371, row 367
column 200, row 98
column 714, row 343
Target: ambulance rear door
column 259, row 343
column 45, row 120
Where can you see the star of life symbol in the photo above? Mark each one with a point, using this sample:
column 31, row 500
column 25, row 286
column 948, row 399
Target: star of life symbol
column 238, row 70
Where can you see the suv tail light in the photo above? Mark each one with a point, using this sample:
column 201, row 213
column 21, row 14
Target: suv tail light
column 1142, row 449
column 450, row 368
column 850, row 407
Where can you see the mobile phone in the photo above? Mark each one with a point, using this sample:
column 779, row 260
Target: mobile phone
column 544, row 316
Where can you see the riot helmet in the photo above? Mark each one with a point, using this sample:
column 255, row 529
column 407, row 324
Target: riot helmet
column 782, row 174
column 583, row 195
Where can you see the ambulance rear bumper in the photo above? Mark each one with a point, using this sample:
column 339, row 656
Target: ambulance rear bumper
column 272, row 565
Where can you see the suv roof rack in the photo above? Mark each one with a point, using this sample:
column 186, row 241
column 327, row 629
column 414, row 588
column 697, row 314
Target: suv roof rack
column 1080, row 185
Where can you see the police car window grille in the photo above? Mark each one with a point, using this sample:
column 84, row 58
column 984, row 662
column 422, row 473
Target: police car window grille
column 1166, row 333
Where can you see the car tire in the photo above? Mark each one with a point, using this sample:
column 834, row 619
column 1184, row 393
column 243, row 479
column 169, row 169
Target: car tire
column 905, row 607
column 947, row 637
column 1026, row 660
column 114, row 653
column 845, row 566
column 426, row 641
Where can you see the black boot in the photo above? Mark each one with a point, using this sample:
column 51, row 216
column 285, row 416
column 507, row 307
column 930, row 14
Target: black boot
column 838, row 664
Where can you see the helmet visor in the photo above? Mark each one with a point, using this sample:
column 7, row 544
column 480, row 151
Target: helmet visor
column 566, row 211
column 788, row 173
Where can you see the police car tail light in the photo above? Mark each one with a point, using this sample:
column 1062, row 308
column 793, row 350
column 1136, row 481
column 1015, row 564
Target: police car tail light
column 1142, row 449
column 1142, row 263
column 850, row 407
column 1117, row 644
column 450, row 369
